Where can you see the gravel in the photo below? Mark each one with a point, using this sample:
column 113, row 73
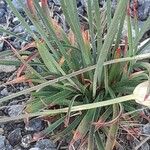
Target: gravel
column 2, row 142
column 14, row 137
column 17, row 4
column 17, row 135
column 146, row 129
column 35, row 124
column 26, row 141
column 45, row 144
column 15, row 110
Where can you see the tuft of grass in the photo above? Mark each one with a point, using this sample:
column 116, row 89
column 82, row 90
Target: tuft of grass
column 87, row 76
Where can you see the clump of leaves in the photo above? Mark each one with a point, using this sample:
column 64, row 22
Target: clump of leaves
column 79, row 70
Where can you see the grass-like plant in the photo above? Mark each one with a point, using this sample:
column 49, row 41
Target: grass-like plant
column 86, row 75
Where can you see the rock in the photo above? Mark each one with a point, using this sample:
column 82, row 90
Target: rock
column 146, row 129
column 143, row 9
column 1, row 45
column 33, row 28
column 18, row 147
column 15, row 110
column 4, row 144
column 15, row 21
column 26, row 140
column 4, row 92
column 8, row 146
column 4, row 75
column 45, row 144
column 35, row 124
column 3, row 5
column 14, row 137
column 36, row 148
column 11, row 126
column 16, row 44
column 2, row 12
column 57, row 2
column 18, row 29
column 136, row 143
column 18, row 5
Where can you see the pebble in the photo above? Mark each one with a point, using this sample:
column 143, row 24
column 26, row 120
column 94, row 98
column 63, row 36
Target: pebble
column 57, row 2
column 143, row 9
column 1, row 45
column 18, row 29
column 35, row 148
column 2, row 12
column 144, row 146
column 33, row 28
column 3, row 4
column 45, row 144
column 4, row 92
column 4, row 144
column 4, row 75
column 15, row 21
column 35, row 124
column 26, row 140
column 18, row 5
column 146, row 129
column 15, row 110
column 14, row 137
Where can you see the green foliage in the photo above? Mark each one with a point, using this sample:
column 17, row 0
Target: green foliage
column 74, row 78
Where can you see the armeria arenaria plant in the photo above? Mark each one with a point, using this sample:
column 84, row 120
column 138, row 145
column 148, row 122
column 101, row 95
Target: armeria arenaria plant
column 87, row 74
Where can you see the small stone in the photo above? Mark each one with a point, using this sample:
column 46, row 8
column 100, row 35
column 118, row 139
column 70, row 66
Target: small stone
column 35, row 124
column 15, row 110
column 18, row 147
column 8, row 146
column 33, row 28
column 36, row 148
column 21, row 88
column 26, row 140
column 45, row 144
column 146, row 129
column 4, row 92
column 18, row 29
column 2, row 142
column 2, row 12
column 17, row 4
column 14, row 137
column 144, row 146
column 3, row 4
column 16, row 20
column 1, row 45
column 57, row 2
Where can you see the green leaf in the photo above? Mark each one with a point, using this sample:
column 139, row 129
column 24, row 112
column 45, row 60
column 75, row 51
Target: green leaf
column 120, row 10
column 43, row 102
column 99, row 142
column 53, row 126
